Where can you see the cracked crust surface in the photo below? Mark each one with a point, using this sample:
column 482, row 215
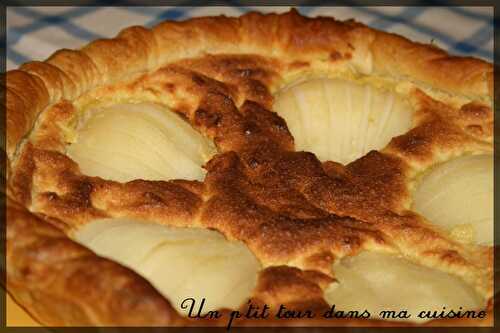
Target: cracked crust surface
column 296, row 214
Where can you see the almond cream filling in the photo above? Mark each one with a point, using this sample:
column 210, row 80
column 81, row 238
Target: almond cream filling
column 340, row 120
column 337, row 120
column 139, row 141
column 458, row 196
column 381, row 282
column 180, row 262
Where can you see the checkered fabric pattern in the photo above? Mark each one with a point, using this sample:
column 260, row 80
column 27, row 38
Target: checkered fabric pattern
column 33, row 33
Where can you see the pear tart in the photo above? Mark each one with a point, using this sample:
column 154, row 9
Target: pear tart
column 271, row 159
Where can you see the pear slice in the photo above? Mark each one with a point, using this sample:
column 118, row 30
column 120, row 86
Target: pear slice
column 458, row 196
column 139, row 141
column 381, row 282
column 180, row 262
column 340, row 120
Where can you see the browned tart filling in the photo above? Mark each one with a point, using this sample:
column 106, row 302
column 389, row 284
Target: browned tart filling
column 273, row 158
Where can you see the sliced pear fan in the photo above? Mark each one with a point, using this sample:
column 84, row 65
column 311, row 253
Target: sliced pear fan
column 381, row 282
column 340, row 120
column 458, row 196
column 180, row 262
column 139, row 141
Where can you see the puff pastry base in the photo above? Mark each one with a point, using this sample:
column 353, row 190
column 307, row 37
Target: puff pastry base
column 296, row 213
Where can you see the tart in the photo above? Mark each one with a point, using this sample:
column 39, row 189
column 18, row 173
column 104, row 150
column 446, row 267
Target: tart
column 265, row 160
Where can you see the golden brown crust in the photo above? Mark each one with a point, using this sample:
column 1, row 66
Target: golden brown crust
column 397, row 56
column 64, row 284
column 26, row 96
column 296, row 214
column 300, row 38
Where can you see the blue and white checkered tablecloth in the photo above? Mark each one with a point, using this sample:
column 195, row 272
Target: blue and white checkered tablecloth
column 33, row 33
